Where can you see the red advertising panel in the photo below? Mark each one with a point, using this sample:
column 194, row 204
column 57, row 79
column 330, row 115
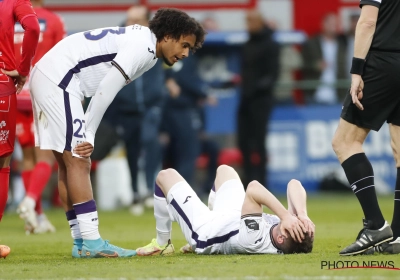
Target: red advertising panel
column 309, row 13
column 90, row 6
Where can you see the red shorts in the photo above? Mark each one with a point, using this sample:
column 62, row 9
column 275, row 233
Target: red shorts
column 8, row 109
column 24, row 129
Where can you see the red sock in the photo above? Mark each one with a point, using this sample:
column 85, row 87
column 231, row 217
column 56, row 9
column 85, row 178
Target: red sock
column 26, row 178
column 38, row 207
column 4, row 181
column 39, row 178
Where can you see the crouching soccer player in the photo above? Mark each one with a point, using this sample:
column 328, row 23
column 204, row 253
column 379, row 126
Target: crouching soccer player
column 234, row 222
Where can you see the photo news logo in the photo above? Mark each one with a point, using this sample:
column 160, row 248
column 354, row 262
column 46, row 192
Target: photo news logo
column 337, row 265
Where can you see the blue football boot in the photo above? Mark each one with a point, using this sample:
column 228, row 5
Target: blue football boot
column 77, row 248
column 102, row 249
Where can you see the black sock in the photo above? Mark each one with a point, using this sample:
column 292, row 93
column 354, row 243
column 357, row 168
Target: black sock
column 396, row 210
column 360, row 175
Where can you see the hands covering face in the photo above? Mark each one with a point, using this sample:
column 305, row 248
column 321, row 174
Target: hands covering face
column 297, row 226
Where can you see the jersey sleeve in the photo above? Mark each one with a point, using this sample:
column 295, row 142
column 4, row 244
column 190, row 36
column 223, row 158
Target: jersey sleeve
column 376, row 3
column 111, row 84
column 24, row 13
column 23, row 9
column 252, row 233
column 132, row 59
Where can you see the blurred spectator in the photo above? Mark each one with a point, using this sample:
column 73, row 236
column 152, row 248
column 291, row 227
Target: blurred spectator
column 289, row 62
column 37, row 164
column 138, row 15
column 208, row 147
column 181, row 121
column 210, row 24
column 136, row 113
column 350, row 35
column 324, row 60
column 260, row 68
column 271, row 24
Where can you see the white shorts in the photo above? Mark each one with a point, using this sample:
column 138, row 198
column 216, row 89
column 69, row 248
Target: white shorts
column 58, row 115
column 208, row 232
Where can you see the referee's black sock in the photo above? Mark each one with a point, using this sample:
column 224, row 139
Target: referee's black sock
column 360, row 175
column 396, row 211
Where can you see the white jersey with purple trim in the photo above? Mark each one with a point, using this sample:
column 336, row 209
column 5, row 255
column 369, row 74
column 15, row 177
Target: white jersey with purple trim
column 78, row 63
column 221, row 231
column 255, row 235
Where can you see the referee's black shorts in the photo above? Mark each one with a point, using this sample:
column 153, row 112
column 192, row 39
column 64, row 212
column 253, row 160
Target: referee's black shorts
column 381, row 98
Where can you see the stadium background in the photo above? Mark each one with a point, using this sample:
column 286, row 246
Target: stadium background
column 300, row 135
column 299, row 147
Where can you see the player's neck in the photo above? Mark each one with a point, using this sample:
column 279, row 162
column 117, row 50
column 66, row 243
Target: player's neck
column 158, row 50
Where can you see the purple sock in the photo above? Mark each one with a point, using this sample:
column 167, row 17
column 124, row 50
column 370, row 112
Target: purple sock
column 70, row 215
column 158, row 192
column 85, row 207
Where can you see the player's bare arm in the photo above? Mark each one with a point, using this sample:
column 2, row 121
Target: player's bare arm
column 365, row 31
column 297, row 204
column 257, row 196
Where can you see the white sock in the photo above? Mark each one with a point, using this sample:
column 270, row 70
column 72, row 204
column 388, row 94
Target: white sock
column 86, row 214
column 73, row 224
column 163, row 221
column 211, row 199
column 75, row 230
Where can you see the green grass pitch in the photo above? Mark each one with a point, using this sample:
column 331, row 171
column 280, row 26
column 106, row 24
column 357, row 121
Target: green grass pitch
column 337, row 219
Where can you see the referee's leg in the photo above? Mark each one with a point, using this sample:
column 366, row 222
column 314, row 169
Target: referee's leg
column 347, row 144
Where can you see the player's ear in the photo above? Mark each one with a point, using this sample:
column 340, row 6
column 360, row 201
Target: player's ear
column 280, row 238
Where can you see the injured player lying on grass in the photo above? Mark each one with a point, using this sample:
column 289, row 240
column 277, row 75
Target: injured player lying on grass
column 233, row 222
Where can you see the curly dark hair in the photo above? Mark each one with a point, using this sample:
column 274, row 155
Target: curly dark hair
column 290, row 246
column 175, row 23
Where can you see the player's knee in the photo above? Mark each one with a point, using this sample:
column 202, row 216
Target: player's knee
column 293, row 182
column 337, row 144
column 82, row 164
column 163, row 175
column 85, row 163
column 224, row 169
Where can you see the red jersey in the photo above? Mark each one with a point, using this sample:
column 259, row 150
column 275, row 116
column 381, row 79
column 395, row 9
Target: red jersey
column 52, row 31
column 12, row 11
